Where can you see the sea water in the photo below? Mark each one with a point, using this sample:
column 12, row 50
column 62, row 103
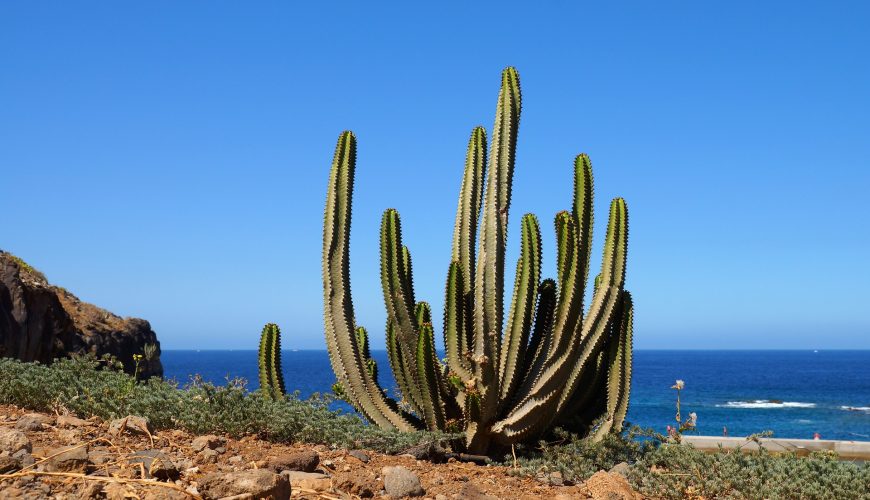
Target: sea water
column 794, row 394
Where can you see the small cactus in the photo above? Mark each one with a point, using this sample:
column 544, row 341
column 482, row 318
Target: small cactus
column 271, row 376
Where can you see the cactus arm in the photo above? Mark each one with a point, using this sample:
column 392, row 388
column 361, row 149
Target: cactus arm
column 569, row 309
column 429, row 376
column 398, row 290
column 398, row 294
column 540, row 337
column 489, row 276
column 626, row 334
column 408, row 273
column 513, row 350
column 276, row 374
column 263, row 361
column 618, row 372
column 400, row 368
column 583, row 214
column 362, row 340
column 339, row 322
column 455, row 340
column 470, row 200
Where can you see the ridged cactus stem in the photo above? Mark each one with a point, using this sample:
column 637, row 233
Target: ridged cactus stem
column 270, row 374
column 618, row 370
column 516, row 338
column 489, row 276
column 339, row 322
column 398, row 295
column 430, row 378
column 455, row 321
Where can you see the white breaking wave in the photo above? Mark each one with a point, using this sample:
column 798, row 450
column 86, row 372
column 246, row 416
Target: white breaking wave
column 766, row 404
column 856, row 408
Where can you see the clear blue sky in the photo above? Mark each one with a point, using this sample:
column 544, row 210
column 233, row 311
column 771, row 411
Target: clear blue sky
column 168, row 160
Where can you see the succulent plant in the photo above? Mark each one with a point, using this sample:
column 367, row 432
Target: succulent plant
column 269, row 358
column 555, row 362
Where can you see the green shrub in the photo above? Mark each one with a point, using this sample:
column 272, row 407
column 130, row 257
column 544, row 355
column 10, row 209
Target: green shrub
column 668, row 470
column 88, row 388
column 682, row 471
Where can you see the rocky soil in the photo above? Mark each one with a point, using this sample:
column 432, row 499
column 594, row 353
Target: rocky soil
column 64, row 457
column 41, row 322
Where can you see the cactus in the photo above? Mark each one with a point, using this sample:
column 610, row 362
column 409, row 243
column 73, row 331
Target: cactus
column 271, row 376
column 554, row 362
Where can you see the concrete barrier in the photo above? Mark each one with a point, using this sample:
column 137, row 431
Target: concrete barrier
column 847, row 450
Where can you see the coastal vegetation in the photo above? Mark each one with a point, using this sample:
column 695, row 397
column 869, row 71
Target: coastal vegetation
column 554, row 363
column 653, row 465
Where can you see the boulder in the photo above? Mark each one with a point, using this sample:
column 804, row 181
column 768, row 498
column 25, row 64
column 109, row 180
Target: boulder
column 68, row 459
column 305, row 461
column 156, row 464
column 131, row 423
column 32, row 422
column 13, row 440
column 210, row 442
column 258, row 483
column 359, row 455
column 399, row 482
column 207, row 456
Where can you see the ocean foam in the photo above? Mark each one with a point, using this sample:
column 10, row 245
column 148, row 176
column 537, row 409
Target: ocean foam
column 765, row 404
column 856, row 408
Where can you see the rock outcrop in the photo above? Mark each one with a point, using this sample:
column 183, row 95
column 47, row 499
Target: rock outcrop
column 41, row 322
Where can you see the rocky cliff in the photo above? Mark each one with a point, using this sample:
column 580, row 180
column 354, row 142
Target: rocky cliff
column 40, row 322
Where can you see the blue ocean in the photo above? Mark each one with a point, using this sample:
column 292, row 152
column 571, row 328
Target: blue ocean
column 792, row 393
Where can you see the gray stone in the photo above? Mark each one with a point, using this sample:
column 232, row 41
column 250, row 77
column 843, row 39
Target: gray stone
column 12, row 440
column 427, row 451
column 209, row 442
column 68, row 459
column 258, row 483
column 359, row 455
column 9, row 464
column 207, row 456
column 32, row 422
column 305, row 461
column 156, row 464
column 25, row 458
column 131, row 423
column 400, row 482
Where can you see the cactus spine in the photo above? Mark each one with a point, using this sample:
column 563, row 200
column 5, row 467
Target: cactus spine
column 555, row 361
column 271, row 376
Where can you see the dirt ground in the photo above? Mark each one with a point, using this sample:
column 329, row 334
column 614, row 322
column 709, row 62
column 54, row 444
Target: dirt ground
column 103, row 464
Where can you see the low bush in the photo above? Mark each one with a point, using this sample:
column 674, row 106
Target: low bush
column 88, row 387
column 662, row 469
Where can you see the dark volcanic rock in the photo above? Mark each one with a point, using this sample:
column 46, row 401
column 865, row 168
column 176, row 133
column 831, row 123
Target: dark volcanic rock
column 40, row 322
